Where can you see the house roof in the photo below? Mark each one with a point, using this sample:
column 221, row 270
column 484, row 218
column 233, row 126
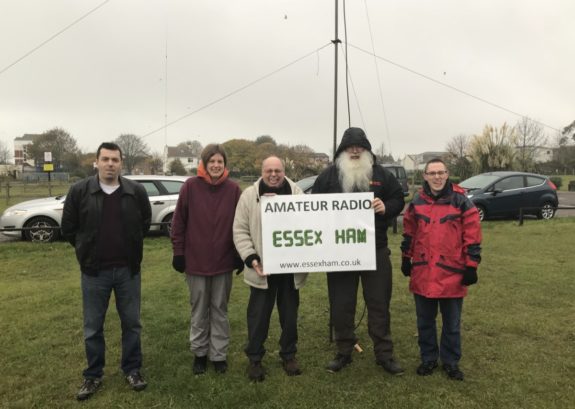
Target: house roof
column 179, row 152
column 27, row 137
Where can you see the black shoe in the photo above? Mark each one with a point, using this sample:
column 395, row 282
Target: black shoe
column 256, row 371
column 426, row 368
column 136, row 381
column 339, row 362
column 291, row 367
column 453, row 372
column 88, row 388
column 390, row 365
column 200, row 365
column 220, row 366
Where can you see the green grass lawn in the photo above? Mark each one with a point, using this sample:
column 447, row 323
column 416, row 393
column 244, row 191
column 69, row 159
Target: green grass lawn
column 565, row 179
column 518, row 336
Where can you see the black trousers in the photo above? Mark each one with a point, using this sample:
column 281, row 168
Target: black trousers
column 261, row 304
column 376, row 285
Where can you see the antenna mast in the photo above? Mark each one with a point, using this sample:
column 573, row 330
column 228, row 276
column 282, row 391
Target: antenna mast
column 335, row 42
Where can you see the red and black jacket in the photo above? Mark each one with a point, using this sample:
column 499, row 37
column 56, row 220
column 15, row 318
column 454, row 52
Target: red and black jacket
column 442, row 236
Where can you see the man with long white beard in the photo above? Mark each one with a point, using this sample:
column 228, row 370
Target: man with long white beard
column 355, row 170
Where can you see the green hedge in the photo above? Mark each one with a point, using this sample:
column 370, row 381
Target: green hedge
column 557, row 181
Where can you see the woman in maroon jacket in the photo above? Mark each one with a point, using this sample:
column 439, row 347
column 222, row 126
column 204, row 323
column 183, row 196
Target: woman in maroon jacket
column 204, row 249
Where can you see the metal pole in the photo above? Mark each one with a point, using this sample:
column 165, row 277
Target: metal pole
column 335, row 42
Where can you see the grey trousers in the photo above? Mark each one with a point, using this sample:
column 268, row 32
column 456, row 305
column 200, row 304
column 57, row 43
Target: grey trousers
column 210, row 327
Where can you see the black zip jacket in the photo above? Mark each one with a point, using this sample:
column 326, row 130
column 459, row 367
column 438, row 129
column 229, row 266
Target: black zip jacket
column 383, row 185
column 81, row 221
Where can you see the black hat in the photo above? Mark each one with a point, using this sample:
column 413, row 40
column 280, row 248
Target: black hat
column 353, row 137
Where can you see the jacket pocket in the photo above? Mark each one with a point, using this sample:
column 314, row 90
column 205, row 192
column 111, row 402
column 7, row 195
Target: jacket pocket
column 451, row 264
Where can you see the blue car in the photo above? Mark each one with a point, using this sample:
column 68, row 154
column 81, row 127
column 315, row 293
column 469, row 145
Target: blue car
column 503, row 194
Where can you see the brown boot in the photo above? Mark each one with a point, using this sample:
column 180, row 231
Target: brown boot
column 291, row 367
column 256, row 372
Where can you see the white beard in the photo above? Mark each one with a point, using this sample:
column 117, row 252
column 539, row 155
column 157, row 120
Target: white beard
column 355, row 174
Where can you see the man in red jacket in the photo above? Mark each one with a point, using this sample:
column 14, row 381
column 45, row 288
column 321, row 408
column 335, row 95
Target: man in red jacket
column 441, row 251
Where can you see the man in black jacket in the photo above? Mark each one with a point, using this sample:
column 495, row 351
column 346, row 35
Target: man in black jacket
column 355, row 170
column 105, row 218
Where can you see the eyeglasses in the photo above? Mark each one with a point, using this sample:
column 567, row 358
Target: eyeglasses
column 439, row 173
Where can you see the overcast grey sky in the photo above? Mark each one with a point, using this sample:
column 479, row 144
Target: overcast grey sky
column 106, row 75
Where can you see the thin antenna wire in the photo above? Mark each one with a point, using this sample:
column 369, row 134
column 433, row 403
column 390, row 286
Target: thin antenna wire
column 346, row 67
column 237, row 90
column 166, row 91
column 355, row 95
column 52, row 37
column 493, row 104
column 386, row 123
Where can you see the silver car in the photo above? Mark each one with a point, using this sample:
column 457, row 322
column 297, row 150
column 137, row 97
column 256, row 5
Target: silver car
column 39, row 219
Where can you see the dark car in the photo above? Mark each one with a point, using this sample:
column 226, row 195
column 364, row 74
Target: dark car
column 398, row 171
column 503, row 194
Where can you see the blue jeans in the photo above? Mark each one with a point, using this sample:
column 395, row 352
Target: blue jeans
column 96, row 291
column 449, row 350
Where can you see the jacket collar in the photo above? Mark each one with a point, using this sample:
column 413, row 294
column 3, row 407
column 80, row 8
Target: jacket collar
column 94, row 185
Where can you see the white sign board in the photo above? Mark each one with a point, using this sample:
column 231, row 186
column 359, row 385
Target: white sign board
column 47, row 156
column 317, row 233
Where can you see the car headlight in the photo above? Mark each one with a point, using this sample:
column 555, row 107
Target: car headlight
column 469, row 196
column 15, row 212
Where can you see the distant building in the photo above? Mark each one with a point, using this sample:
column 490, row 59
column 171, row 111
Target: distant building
column 417, row 161
column 21, row 144
column 319, row 159
column 541, row 154
column 10, row 170
column 184, row 154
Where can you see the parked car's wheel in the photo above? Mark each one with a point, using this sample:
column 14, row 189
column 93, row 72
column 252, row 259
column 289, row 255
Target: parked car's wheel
column 42, row 229
column 546, row 212
column 167, row 228
column 481, row 211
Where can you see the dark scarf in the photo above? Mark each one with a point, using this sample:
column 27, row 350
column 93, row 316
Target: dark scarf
column 284, row 189
column 444, row 192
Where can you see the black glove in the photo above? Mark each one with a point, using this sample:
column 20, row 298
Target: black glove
column 239, row 265
column 469, row 276
column 179, row 263
column 406, row 266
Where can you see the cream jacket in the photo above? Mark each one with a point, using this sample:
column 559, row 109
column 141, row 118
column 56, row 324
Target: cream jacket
column 248, row 233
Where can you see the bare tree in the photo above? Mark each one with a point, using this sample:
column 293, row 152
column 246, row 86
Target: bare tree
column 156, row 162
column 530, row 137
column 5, row 153
column 569, row 131
column 62, row 145
column 457, row 156
column 134, row 150
column 190, row 148
column 494, row 149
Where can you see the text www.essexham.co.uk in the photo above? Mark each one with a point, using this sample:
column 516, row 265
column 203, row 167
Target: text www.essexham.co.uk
column 321, row 263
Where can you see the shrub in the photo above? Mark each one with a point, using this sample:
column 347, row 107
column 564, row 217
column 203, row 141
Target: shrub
column 557, row 181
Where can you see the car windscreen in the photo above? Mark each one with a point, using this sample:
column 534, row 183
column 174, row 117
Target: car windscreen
column 478, row 181
column 306, row 183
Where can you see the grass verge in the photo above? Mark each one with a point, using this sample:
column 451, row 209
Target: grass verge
column 518, row 336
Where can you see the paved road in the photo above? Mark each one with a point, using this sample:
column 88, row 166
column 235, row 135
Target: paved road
column 566, row 199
